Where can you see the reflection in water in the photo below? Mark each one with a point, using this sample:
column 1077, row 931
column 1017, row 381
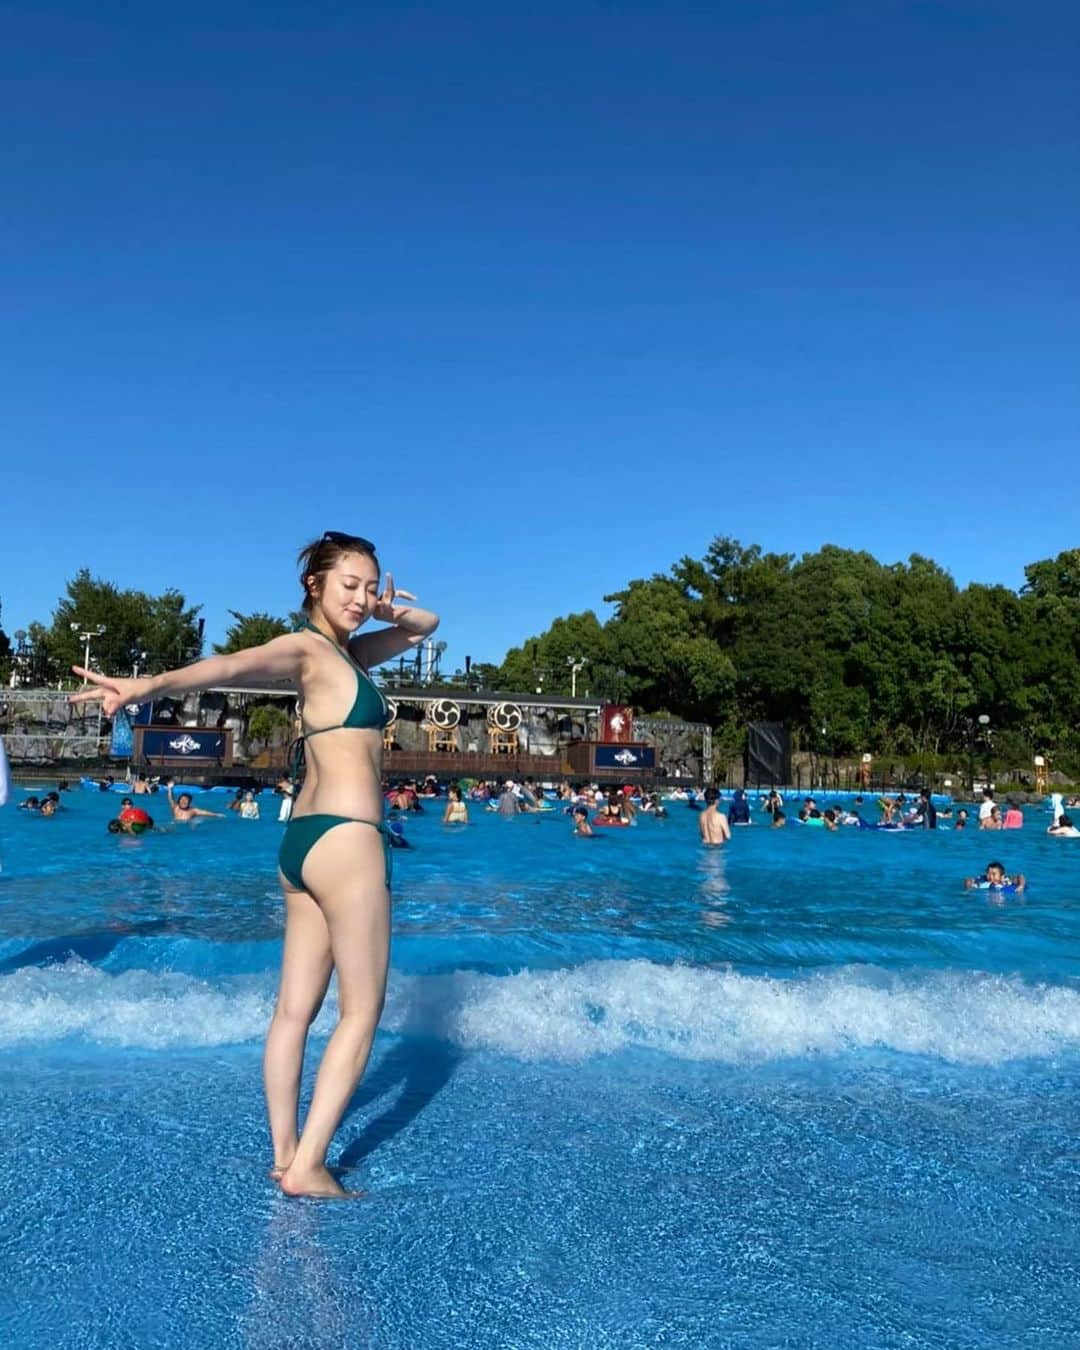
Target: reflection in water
column 713, row 887
column 298, row 1297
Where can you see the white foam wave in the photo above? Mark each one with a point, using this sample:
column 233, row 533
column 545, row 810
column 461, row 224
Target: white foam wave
column 703, row 1014
column 136, row 1008
column 574, row 1014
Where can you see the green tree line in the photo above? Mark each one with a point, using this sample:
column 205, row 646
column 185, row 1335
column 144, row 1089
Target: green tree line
column 852, row 653
column 130, row 631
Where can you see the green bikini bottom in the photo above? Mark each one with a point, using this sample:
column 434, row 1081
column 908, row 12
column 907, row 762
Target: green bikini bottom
column 302, row 834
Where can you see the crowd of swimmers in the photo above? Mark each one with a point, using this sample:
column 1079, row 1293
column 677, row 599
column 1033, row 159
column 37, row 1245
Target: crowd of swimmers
column 591, row 807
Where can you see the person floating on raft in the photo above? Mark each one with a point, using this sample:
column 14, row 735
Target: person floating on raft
column 995, row 878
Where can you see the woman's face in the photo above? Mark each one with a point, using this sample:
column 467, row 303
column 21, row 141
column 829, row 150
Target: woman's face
column 349, row 591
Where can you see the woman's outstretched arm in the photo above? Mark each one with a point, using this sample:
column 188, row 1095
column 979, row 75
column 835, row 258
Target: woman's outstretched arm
column 278, row 659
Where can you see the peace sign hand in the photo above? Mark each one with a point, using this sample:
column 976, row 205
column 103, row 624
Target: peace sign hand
column 113, row 694
column 385, row 608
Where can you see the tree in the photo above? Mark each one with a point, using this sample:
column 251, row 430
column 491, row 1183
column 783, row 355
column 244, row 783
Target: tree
column 545, row 661
column 851, row 652
column 251, row 630
column 267, row 724
column 1058, row 576
column 163, row 627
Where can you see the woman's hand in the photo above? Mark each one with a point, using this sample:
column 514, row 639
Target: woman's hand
column 113, row 694
column 385, row 608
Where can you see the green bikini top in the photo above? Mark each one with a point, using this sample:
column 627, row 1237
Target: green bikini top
column 369, row 707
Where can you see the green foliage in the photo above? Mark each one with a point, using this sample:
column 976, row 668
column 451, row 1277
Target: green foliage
column 544, row 662
column 267, row 723
column 851, row 652
column 251, row 630
column 162, row 626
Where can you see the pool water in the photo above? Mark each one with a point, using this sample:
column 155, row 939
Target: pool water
column 801, row 1091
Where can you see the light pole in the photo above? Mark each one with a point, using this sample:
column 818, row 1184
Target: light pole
column 984, row 725
column 86, row 636
column 576, row 664
column 20, row 661
column 440, row 647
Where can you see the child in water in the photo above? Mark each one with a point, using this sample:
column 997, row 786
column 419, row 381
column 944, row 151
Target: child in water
column 995, row 878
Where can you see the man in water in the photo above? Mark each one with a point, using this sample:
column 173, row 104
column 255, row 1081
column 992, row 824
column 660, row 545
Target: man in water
column 712, row 822
column 582, row 828
column 927, row 810
column 985, row 806
column 182, row 808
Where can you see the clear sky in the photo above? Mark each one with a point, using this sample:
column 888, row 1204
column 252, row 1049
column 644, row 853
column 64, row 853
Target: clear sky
column 539, row 298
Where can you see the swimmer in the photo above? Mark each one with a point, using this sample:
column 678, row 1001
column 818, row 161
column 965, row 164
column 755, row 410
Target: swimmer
column 30, row 804
column 456, row 813
column 1014, row 817
column 249, row 807
column 395, row 835
column 284, row 787
column 334, row 858
column 182, row 809
column 961, row 819
column 995, row 878
column 582, row 828
column 712, row 823
column 132, row 820
column 739, row 811
column 779, row 820
column 47, row 808
column 1063, row 828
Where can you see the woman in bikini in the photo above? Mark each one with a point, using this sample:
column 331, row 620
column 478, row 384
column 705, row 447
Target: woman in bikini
column 335, row 856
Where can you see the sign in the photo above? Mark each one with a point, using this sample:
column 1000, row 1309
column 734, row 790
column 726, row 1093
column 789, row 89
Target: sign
column 624, row 757
column 181, row 743
column 121, row 744
column 617, row 723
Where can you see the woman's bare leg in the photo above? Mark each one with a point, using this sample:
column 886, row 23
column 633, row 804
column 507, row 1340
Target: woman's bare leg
column 306, row 964
column 345, row 873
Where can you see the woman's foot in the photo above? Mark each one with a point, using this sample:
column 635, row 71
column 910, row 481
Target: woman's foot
column 278, row 1169
column 315, row 1182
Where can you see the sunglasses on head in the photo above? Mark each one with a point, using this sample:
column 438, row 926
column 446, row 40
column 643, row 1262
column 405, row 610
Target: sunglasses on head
column 344, row 540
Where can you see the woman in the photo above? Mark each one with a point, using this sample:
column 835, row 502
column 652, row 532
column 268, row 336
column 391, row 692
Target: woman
column 334, row 860
column 456, row 813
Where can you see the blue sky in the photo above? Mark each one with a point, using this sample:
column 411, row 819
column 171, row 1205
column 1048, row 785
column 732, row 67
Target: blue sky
column 540, row 299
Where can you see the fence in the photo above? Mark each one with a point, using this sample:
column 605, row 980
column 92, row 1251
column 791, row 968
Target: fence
column 41, row 726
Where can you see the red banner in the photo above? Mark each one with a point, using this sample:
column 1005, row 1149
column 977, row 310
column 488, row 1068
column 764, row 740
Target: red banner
column 616, row 723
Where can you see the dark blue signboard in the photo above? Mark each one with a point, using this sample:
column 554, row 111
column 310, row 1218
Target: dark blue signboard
column 625, row 757
column 183, row 743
